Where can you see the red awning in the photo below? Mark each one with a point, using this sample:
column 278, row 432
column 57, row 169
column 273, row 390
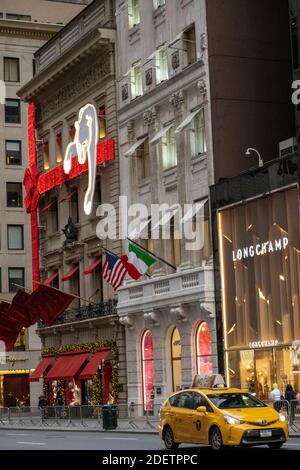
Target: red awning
column 92, row 266
column 51, row 278
column 68, row 196
column 91, row 368
column 47, row 206
column 69, row 274
column 66, row 366
column 42, row 366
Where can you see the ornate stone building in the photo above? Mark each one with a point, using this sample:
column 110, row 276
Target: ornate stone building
column 165, row 157
column 76, row 67
column 24, row 27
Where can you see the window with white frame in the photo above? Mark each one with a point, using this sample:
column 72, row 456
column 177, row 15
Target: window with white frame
column 169, row 149
column 158, row 3
column 136, row 81
column 15, row 237
column 133, row 13
column 162, row 72
column 198, row 141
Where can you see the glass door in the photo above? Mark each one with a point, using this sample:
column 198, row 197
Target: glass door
column 264, row 372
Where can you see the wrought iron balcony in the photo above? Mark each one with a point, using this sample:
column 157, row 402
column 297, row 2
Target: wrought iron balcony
column 85, row 313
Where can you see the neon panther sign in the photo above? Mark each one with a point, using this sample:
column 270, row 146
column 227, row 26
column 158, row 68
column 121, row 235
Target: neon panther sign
column 85, row 147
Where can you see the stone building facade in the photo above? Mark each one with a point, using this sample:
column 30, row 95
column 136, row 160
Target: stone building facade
column 74, row 68
column 24, row 27
column 166, row 157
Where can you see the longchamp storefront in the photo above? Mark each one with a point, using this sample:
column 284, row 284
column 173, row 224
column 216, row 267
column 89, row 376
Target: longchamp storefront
column 257, row 249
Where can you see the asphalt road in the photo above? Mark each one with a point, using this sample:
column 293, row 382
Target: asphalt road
column 65, row 440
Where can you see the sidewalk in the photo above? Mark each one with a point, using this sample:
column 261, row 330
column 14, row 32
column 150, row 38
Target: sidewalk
column 124, row 425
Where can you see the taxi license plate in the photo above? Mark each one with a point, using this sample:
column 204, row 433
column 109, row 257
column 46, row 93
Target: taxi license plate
column 265, row 433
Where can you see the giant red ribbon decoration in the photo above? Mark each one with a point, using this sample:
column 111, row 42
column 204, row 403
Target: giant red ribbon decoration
column 36, row 184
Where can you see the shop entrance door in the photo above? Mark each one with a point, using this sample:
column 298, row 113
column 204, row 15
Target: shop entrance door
column 264, row 372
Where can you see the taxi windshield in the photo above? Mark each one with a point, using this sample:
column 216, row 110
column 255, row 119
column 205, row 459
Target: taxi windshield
column 235, row 400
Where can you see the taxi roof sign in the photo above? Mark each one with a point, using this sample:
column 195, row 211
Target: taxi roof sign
column 208, row 381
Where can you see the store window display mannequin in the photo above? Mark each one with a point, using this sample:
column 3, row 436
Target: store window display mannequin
column 76, row 396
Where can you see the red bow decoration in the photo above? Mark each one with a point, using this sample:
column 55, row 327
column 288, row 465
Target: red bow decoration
column 31, row 200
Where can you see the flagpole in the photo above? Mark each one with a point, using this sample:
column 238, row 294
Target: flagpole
column 114, row 254
column 54, row 288
column 152, row 254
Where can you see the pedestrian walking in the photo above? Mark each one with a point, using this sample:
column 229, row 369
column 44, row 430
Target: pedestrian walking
column 290, row 396
column 275, row 397
column 58, row 404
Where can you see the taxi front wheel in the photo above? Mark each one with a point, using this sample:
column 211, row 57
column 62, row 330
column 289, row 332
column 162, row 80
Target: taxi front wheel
column 215, row 439
column 168, row 438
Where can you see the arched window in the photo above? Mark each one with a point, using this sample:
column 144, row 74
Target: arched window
column 148, row 370
column 203, row 349
column 176, row 359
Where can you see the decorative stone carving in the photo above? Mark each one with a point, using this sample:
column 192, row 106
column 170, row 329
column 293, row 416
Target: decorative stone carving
column 75, row 87
column 175, row 60
column 149, row 76
column 208, row 308
column 150, row 115
column 202, row 86
column 130, row 130
column 125, row 91
column 126, row 321
column 151, row 316
column 179, row 313
column 177, row 99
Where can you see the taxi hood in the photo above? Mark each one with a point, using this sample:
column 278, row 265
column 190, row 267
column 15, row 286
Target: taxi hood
column 254, row 415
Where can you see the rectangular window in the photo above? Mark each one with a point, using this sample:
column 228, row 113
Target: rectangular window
column 58, row 148
column 14, row 195
column 15, row 16
column 33, row 67
column 189, row 45
column 133, row 13
column 15, row 276
column 52, row 216
column 13, row 152
column 74, row 213
column 162, row 72
column 102, row 122
column 169, row 149
column 12, row 111
column 136, row 81
column 198, row 141
column 15, row 237
column 201, row 224
column 46, row 155
column 158, row 3
column 72, row 131
column 11, row 69
column 143, row 153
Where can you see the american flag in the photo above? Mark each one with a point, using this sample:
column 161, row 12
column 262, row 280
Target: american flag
column 113, row 270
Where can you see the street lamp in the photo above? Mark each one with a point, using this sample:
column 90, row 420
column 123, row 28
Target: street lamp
column 260, row 160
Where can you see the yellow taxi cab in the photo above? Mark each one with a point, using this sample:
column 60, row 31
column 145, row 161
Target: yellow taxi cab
column 220, row 417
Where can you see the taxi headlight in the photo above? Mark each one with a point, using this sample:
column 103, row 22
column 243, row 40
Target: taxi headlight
column 231, row 420
column 282, row 418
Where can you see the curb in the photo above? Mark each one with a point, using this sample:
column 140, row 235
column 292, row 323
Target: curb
column 116, row 431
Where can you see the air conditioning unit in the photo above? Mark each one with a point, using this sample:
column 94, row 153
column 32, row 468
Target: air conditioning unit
column 287, row 147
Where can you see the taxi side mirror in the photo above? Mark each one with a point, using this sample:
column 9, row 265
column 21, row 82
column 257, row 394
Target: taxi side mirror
column 201, row 409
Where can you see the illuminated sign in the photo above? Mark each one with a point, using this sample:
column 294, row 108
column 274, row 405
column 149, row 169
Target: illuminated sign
column 85, row 147
column 260, row 249
column 263, row 344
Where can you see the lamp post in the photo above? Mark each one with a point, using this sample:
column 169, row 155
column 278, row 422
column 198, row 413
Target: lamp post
column 260, row 160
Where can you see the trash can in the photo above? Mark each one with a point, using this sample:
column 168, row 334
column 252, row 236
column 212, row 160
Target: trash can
column 109, row 416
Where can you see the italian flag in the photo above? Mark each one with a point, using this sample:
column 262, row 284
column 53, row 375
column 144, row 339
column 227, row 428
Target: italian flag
column 137, row 261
